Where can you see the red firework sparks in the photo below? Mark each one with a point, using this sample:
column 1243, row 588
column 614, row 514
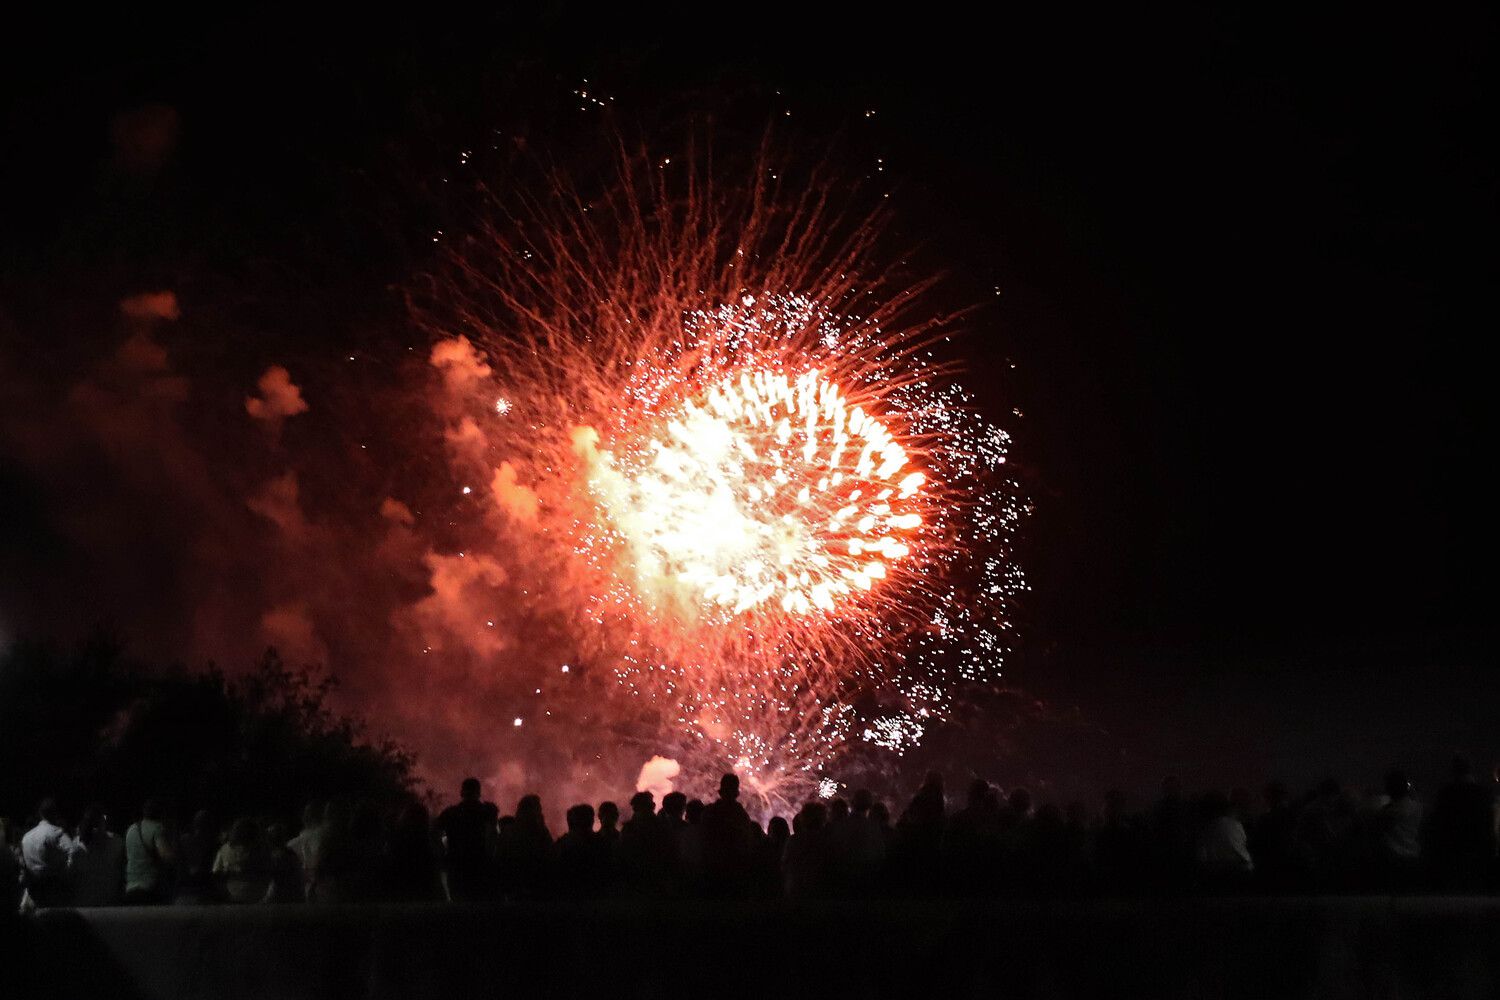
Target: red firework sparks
column 721, row 428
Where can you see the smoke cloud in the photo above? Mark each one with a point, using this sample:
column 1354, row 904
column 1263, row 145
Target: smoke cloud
column 657, row 775
column 279, row 397
column 164, row 513
column 460, row 364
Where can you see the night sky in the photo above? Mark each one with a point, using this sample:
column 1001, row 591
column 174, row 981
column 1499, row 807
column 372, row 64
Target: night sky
column 1243, row 265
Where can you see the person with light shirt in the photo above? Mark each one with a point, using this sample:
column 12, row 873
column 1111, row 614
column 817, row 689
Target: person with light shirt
column 1223, row 849
column 149, row 857
column 47, row 853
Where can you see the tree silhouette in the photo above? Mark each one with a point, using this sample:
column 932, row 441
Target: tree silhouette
column 96, row 726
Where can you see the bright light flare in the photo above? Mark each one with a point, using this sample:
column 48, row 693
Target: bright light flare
column 765, row 491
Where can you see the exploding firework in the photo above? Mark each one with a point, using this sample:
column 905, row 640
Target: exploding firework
column 734, row 506
column 759, row 503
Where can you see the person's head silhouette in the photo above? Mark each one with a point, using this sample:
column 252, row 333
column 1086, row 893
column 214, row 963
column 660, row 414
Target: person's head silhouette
column 643, row 805
column 674, row 804
column 581, row 820
column 469, row 790
column 93, row 824
column 609, row 815
column 729, row 787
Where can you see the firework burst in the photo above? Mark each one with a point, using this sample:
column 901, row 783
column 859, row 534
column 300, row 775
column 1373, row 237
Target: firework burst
column 769, row 514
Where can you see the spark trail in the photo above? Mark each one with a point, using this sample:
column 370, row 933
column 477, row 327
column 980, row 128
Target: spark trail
column 718, row 432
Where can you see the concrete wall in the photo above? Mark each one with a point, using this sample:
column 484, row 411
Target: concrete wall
column 1253, row 948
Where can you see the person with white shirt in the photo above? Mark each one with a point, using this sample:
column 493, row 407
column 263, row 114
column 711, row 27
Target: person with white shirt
column 1223, row 849
column 307, row 844
column 1398, row 835
column 47, row 853
column 1400, row 821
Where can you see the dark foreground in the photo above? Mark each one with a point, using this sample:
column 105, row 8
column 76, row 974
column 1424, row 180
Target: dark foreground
column 1218, row 947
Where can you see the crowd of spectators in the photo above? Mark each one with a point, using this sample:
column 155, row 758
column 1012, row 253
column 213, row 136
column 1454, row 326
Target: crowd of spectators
column 990, row 842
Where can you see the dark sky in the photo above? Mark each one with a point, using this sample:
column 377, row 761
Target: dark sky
column 1244, row 265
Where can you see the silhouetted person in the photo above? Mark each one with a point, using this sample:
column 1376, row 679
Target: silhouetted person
column 921, row 837
column 969, row 842
column 728, row 841
column 1273, row 841
column 580, row 861
column 305, row 845
column 609, row 845
column 642, row 811
column 1223, row 851
column 645, row 847
column 690, row 847
column 98, row 877
column 351, row 855
column 609, row 824
column 413, row 872
column 1078, row 845
column 362, row 876
column 333, row 865
column 1398, row 834
column 1045, row 859
column 240, row 866
column 525, row 851
column 1325, row 834
column 1119, row 853
column 466, row 830
column 927, row 807
column 195, row 873
column 673, row 806
column 675, row 827
column 770, row 883
column 1459, row 840
column 1016, row 844
column 1172, row 833
column 864, row 846
column 47, row 853
column 284, row 868
column 808, row 865
column 150, row 857
column 10, row 870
